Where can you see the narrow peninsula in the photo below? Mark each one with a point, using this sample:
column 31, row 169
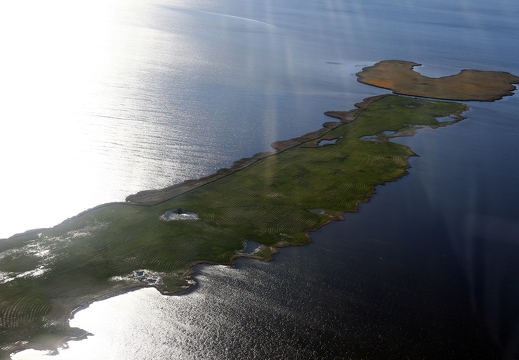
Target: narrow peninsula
column 274, row 199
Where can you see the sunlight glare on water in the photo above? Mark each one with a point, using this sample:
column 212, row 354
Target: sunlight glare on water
column 55, row 65
column 104, row 99
column 75, row 113
column 173, row 89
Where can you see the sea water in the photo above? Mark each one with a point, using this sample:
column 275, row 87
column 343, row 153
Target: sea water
column 426, row 269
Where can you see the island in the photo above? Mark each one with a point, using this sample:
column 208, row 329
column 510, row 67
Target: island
column 273, row 199
column 468, row 85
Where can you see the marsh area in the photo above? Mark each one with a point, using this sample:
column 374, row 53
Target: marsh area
column 427, row 264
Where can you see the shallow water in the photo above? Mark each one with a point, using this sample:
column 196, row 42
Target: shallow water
column 426, row 269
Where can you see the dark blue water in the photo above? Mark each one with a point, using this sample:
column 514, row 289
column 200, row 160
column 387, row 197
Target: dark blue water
column 428, row 269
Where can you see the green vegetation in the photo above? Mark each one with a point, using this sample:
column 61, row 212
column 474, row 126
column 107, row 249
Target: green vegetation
column 274, row 201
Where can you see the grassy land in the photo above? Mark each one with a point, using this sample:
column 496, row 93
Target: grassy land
column 274, row 201
column 399, row 76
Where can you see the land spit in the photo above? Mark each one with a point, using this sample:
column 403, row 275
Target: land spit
column 270, row 198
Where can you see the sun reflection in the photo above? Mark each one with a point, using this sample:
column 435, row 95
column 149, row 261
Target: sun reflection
column 54, row 59
column 95, row 99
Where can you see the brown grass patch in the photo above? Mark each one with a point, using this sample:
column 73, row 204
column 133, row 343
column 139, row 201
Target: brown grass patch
column 468, row 85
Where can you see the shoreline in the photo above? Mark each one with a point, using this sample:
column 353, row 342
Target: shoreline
column 148, row 198
column 400, row 77
column 343, row 116
column 157, row 196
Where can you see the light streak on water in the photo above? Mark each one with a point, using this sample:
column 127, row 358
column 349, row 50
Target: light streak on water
column 102, row 99
column 84, row 118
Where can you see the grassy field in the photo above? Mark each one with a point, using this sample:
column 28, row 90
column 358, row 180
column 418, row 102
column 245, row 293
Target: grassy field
column 467, row 85
column 274, row 201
